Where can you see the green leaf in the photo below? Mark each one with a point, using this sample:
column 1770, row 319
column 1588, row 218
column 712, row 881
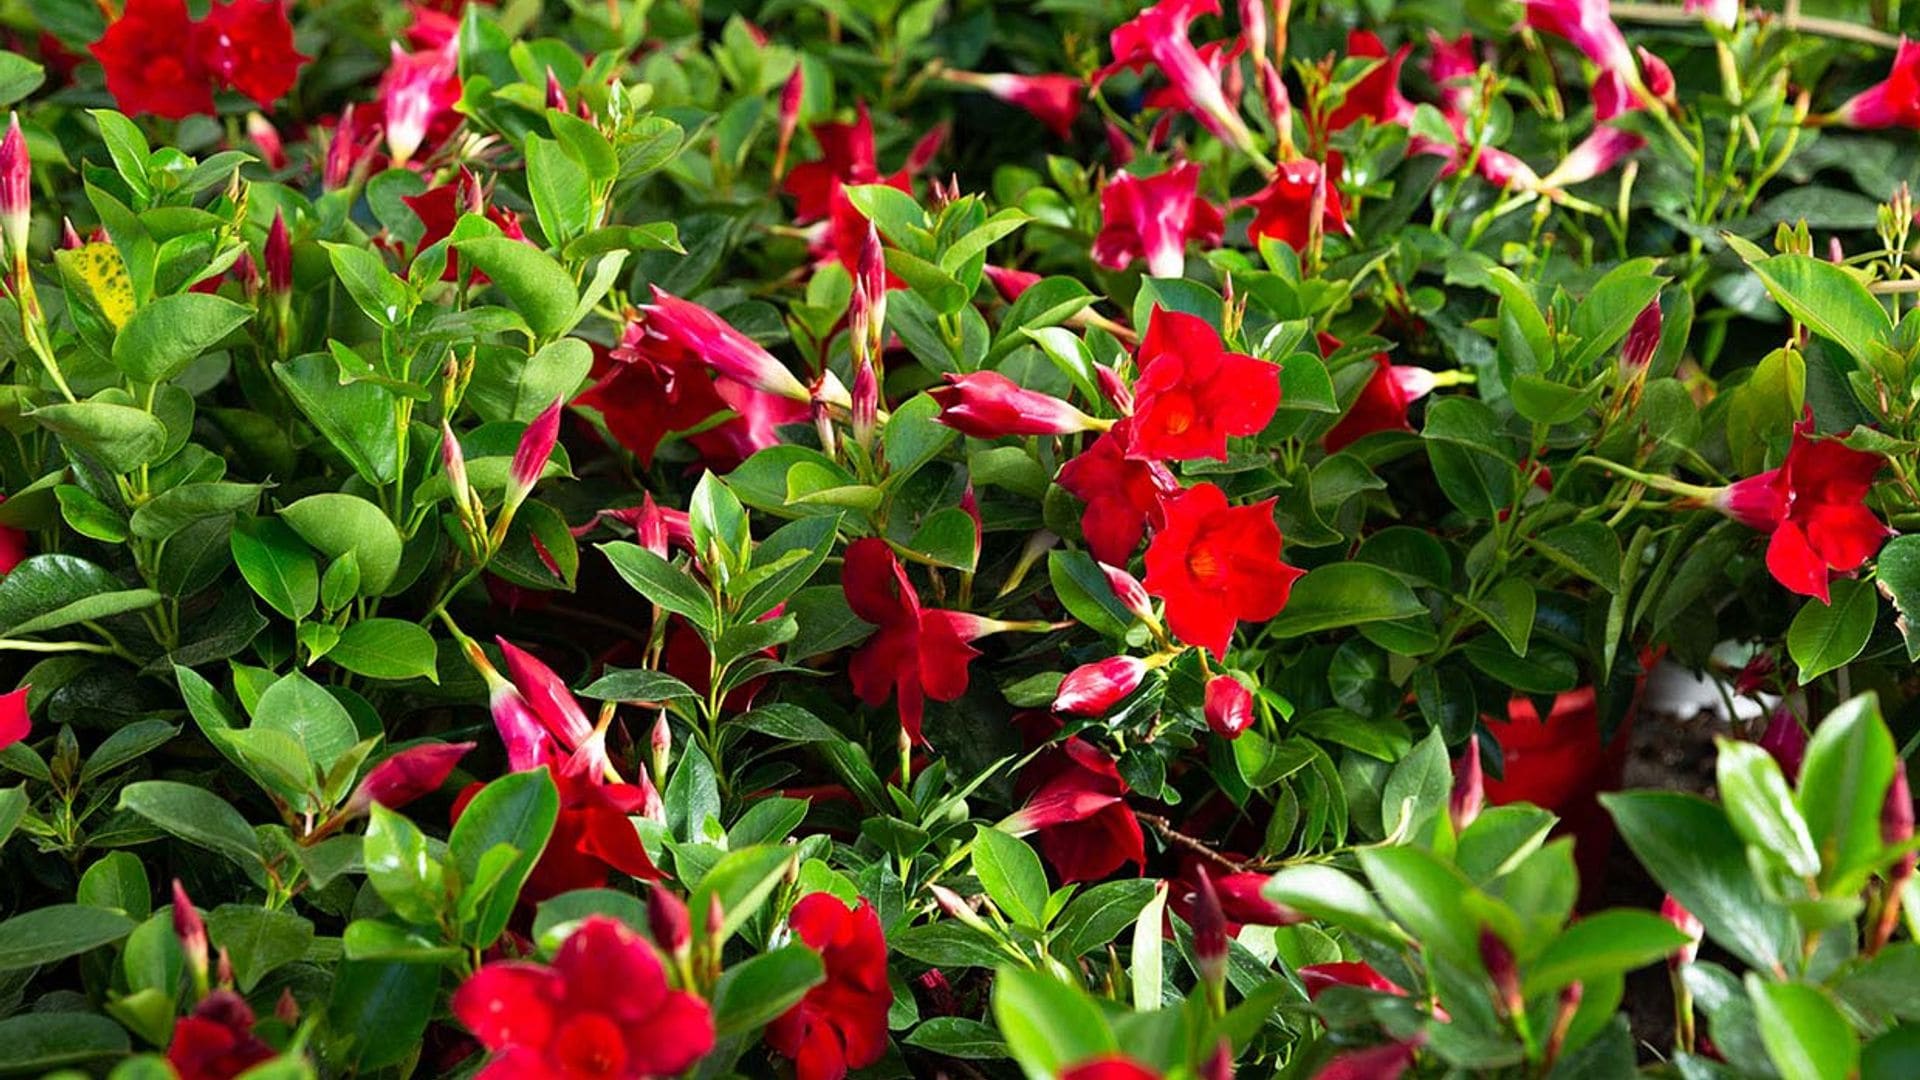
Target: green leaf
column 176, row 508
column 741, row 881
column 402, row 869
column 385, row 1005
column 46, row 592
column 1096, row 916
column 1048, row 1024
column 1419, row 785
column 1760, row 806
column 258, row 939
column 518, row 810
column 661, row 582
column 383, row 297
column 1825, row 636
column 1011, row 874
column 958, row 1037
column 558, row 186
column 1341, row 595
column 19, row 77
column 1331, row 896
column 163, row 337
column 357, row 418
column 1425, row 895
column 1693, row 852
column 1897, row 569
column 1843, row 784
column 122, row 437
column 88, row 516
column 540, row 288
column 303, row 709
column 1082, row 589
column 197, row 816
column 35, row 1043
column 386, row 649
column 914, row 437
column 1829, row 300
column 336, row 523
column 278, row 566
column 1605, row 943
column 752, row 994
column 1587, row 548
column 1806, row 1036
column 1509, row 609
column 53, row 933
column 126, row 744
column 637, row 685
column 946, row 537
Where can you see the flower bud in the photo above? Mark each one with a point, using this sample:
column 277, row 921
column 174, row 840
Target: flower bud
column 526, row 740
column 1786, row 740
column 1570, row 996
column 988, row 405
column 192, row 933
column 1128, row 590
column 1243, row 902
column 277, row 257
column 1209, row 933
column 670, row 923
column 1469, row 788
column 971, row 506
column 223, row 969
column 286, row 1009
column 1229, row 706
column 1116, row 391
column 1092, row 689
column 1656, row 74
column 1643, row 338
column 1896, row 814
column 266, row 138
column 556, row 94
column 16, row 191
column 866, row 400
column 70, row 238
column 716, row 917
column 1279, row 105
column 1683, row 920
column 661, row 744
column 791, row 96
column 1501, row 970
column 410, row 774
column 1253, row 26
column 536, row 447
column 1009, row 283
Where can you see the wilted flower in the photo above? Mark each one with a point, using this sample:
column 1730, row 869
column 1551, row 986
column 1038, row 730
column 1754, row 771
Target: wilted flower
column 1153, row 218
column 603, row 1008
column 1215, row 565
column 841, row 1024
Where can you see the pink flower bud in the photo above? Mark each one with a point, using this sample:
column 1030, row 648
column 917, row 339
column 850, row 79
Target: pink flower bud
column 988, row 405
column 660, row 741
column 191, row 931
column 1128, row 590
column 1469, row 788
column 953, row 904
column 791, row 96
column 1229, row 706
column 266, row 138
column 70, row 237
column 1683, row 920
column 526, row 740
column 277, row 256
column 223, row 969
column 536, row 447
column 670, row 923
column 547, row 694
column 1092, row 689
column 1656, row 73
column 1113, row 388
column 1253, row 26
column 1009, row 283
column 454, row 460
column 1642, row 338
column 971, row 504
column 286, row 1009
column 408, row 775
column 1279, row 105
column 16, row 190
column 731, row 354
column 866, row 400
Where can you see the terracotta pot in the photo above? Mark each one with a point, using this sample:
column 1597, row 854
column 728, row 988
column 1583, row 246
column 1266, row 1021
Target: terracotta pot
column 1561, row 765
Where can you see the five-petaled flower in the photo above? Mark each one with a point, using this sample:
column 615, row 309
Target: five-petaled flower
column 603, row 1010
column 1298, row 203
column 1814, row 506
column 1382, row 404
column 1216, row 565
column 915, row 653
column 1122, row 494
column 841, row 1024
column 1077, row 810
column 149, row 63
column 1193, row 394
column 1152, row 218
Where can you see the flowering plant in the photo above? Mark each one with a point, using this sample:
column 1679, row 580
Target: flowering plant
column 887, row 539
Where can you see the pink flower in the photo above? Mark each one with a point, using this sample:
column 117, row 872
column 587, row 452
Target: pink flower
column 1153, row 218
column 1719, row 12
column 1092, row 689
column 16, row 190
column 730, row 353
column 603, row 1009
column 1892, row 102
column 988, row 405
column 418, row 91
column 1588, row 25
column 1159, row 36
column 1676, row 913
column 1229, row 706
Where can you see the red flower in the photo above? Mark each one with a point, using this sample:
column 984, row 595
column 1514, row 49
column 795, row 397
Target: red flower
column 439, row 210
column 1076, row 808
column 1215, row 565
column 1229, row 706
column 1109, row 1067
column 1892, row 102
column 601, row 1011
column 915, row 653
column 1153, row 218
column 1284, row 209
column 1159, row 37
column 1241, row 901
column 1377, row 95
column 150, row 66
column 407, row 775
column 1382, row 404
column 1318, row 977
column 15, row 722
column 13, row 546
column 249, row 45
column 988, row 405
column 1192, row 394
column 1814, row 505
column 1122, row 495
column 216, row 1042
column 842, row 1023
column 417, row 95
column 1388, row 1061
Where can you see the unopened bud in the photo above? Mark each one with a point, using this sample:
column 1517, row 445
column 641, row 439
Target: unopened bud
column 1128, row 590
column 1092, row 689
column 266, row 138
column 791, row 96
column 1228, row 707
column 192, row 932
column 1469, row 788
column 670, row 923
column 277, row 257
column 556, row 94
column 716, row 917
column 866, row 398
column 70, row 236
column 661, row 744
column 1683, row 920
column 1497, row 957
column 1209, row 933
column 286, row 1009
column 1786, row 740
column 1643, row 338
column 223, row 969
column 1113, row 388
column 16, row 191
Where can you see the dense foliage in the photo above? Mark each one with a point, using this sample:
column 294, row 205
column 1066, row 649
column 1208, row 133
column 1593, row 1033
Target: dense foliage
column 953, row 538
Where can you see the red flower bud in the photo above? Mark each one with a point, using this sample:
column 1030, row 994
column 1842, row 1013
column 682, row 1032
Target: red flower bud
column 192, row 933
column 1469, row 788
column 1896, row 814
column 669, row 922
column 1229, row 706
column 556, row 94
column 1009, row 283
column 70, row 236
column 1786, row 740
column 1642, row 338
column 408, row 775
column 1092, row 689
column 988, row 405
column 1209, row 931
column 1113, row 388
column 1683, row 920
column 716, row 917
column 1501, row 970
column 1243, row 902
column 16, row 190
column 266, row 138
column 278, row 258
column 536, row 447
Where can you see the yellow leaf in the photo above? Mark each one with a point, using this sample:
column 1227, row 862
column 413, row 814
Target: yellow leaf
column 100, row 268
